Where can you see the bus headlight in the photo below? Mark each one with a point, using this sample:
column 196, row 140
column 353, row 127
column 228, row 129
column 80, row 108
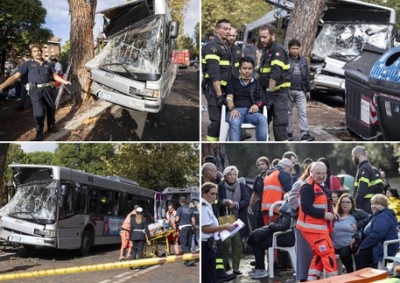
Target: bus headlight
column 46, row 233
column 144, row 92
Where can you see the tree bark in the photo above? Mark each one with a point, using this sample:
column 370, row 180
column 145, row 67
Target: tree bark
column 3, row 158
column 82, row 42
column 303, row 23
column 218, row 151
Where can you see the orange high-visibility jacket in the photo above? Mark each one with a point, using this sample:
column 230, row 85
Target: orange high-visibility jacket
column 309, row 223
column 273, row 191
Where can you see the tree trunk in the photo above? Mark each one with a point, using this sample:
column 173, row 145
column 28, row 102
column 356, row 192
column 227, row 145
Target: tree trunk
column 82, row 42
column 303, row 23
column 217, row 150
column 3, row 158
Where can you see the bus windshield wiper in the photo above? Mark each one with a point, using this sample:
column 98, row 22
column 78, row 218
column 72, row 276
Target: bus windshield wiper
column 24, row 212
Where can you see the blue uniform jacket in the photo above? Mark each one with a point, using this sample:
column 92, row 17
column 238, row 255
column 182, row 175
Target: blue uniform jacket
column 383, row 227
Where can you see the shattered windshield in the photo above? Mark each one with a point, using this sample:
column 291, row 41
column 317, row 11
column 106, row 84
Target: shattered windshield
column 35, row 202
column 345, row 41
column 136, row 50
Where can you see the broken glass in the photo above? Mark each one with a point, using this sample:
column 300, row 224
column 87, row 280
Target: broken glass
column 346, row 41
column 33, row 202
column 135, row 50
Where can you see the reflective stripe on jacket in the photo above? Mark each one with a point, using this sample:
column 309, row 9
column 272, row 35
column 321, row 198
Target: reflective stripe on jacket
column 307, row 222
column 272, row 192
column 275, row 65
column 218, row 61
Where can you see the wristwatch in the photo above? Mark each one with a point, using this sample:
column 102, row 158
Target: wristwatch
column 231, row 108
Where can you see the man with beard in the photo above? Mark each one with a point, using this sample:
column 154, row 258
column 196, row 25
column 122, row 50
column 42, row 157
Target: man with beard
column 258, row 187
column 275, row 77
column 366, row 182
column 235, row 51
column 217, row 73
column 39, row 74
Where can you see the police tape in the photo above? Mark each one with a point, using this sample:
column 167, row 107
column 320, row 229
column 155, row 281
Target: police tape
column 99, row 267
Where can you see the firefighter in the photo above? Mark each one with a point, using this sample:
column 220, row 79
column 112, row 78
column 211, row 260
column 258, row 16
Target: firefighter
column 217, row 72
column 315, row 221
column 367, row 182
column 277, row 182
column 275, row 77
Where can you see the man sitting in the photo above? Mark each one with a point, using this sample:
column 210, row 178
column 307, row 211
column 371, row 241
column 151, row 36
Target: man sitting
column 245, row 98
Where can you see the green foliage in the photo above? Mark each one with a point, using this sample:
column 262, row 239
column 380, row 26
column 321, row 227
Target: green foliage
column 21, row 24
column 89, row 157
column 40, row 157
column 238, row 12
column 14, row 155
column 187, row 43
column 65, row 54
column 157, row 166
column 382, row 155
column 196, row 36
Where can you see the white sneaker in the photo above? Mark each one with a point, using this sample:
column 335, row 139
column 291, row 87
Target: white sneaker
column 259, row 273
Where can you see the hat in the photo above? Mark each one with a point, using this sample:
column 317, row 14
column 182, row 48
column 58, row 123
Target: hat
column 139, row 209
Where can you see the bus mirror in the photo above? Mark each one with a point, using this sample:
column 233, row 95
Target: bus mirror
column 173, row 29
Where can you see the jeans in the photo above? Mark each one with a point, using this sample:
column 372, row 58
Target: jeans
column 298, row 98
column 257, row 119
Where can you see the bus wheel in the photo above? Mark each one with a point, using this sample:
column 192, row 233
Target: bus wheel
column 29, row 247
column 86, row 243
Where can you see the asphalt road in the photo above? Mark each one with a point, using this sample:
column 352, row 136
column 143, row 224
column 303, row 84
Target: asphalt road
column 18, row 260
column 103, row 121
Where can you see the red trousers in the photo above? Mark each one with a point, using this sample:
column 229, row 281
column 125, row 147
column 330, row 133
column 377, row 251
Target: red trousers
column 267, row 219
column 324, row 255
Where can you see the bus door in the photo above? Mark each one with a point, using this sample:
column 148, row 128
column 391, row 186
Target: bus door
column 160, row 206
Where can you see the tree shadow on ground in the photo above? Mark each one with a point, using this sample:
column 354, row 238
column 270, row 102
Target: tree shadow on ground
column 176, row 123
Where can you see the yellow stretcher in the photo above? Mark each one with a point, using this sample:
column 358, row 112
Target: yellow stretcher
column 153, row 250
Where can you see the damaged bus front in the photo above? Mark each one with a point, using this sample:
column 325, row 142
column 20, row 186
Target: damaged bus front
column 343, row 30
column 68, row 209
column 134, row 68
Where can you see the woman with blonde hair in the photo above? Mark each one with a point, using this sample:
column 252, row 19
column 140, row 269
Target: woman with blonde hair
column 381, row 228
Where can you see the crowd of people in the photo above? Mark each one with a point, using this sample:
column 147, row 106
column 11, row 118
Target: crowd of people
column 324, row 220
column 247, row 80
column 34, row 78
column 184, row 222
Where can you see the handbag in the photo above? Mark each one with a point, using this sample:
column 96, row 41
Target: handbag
column 227, row 218
column 288, row 210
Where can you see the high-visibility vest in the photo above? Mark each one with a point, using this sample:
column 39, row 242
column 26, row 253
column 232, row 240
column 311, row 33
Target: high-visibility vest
column 309, row 223
column 272, row 192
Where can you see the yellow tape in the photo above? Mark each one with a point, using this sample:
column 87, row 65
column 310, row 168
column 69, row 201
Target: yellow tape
column 99, row 267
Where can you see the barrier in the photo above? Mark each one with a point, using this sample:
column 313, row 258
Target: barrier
column 98, row 267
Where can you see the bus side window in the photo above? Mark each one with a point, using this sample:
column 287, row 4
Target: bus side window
column 67, row 200
column 92, row 201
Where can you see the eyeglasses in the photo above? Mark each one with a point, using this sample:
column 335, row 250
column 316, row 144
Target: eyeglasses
column 346, row 202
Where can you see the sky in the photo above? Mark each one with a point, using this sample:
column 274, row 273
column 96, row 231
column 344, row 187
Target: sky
column 58, row 20
column 38, row 146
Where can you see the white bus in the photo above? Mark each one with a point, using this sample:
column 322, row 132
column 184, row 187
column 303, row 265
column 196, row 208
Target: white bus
column 135, row 67
column 171, row 195
column 63, row 208
column 343, row 30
